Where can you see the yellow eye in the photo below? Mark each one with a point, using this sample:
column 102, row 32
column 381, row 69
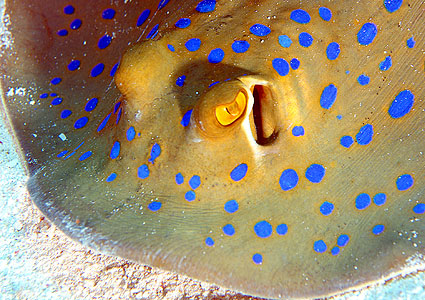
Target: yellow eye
column 228, row 113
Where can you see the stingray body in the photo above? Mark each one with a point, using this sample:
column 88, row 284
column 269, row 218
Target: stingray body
column 266, row 146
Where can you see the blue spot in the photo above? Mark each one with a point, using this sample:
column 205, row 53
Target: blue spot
column 367, row 34
column 335, row 251
column 362, row 201
column 190, row 196
column 143, row 17
column 115, row 151
column 155, row 206
column 108, row 14
column 111, row 177
column 81, row 122
column 281, row 229
column 325, row 13
column 85, row 155
column 154, row 31
column 206, row 6
column 346, row 141
column 155, row 152
column 193, row 44
column 257, row 258
column 319, row 246
column 179, row 178
column 214, row 83
column 402, row 104
column 162, row 4
column 62, row 154
column 343, row 240
column 209, row 242
column 332, row 51
column 386, row 64
column 97, row 70
column 44, row 96
column 295, row 64
column 116, row 106
column 76, row 24
column 104, row 41
column 410, row 43
column 57, row 101
column 183, row 23
column 114, row 70
column 143, row 171
column 305, row 39
column 103, row 123
column 365, row 134
column 315, row 173
column 300, row 16
column 91, row 104
column 379, row 199
column 281, row 66
column 392, row 5
column 74, row 65
column 119, row 115
column 419, row 208
column 131, row 133
column 288, row 180
column 56, row 81
column 195, row 182
column 263, row 229
column 171, row 48
column 239, row 172
column 339, row 117
column 240, row 46
column 180, row 80
column 328, row 96
column 53, row 95
column 62, row 32
column 326, row 208
column 285, row 41
column 69, row 9
column 404, row 182
column 363, row 79
column 378, row 229
column 298, row 131
column 216, row 56
column 186, row 118
column 231, row 206
column 229, row 229
column 65, row 113
column 259, row 30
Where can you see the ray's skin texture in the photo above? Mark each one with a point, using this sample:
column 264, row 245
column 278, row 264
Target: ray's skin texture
column 279, row 154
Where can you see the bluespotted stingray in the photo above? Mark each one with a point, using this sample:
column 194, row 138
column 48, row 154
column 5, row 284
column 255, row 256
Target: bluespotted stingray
column 271, row 147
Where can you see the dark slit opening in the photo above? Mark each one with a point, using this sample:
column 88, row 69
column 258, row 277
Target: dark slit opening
column 263, row 116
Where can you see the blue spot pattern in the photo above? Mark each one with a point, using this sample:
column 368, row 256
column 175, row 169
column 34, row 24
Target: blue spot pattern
column 74, row 65
column 81, row 122
column 190, row 196
column 295, row 64
column 143, row 17
column 91, row 104
column 328, row 96
column 298, row 131
column 154, row 31
column 193, row 44
column 257, row 258
column 332, row 51
column 209, row 242
column 315, row 173
column 231, row 206
column 379, row 199
column 402, row 104
column 239, row 172
column 378, row 229
column 216, row 56
column 131, row 133
column 404, row 182
column 183, row 23
column 195, row 182
column 143, row 171
column 263, row 229
column 362, row 201
column 288, row 179
column 419, row 208
column 171, row 48
column 367, row 34
column 76, row 24
column 326, row 208
column 410, row 43
column 343, row 240
column 346, row 141
column 111, row 177
column 363, row 79
column 66, row 113
column 325, row 13
column 285, row 41
column 104, row 41
column 259, row 30
column 320, row 246
column 154, row 206
column 392, row 5
column 281, row 66
column 69, row 10
column 179, row 178
column 386, row 64
column 115, row 151
column 305, row 39
column 186, row 118
column 155, row 152
column 97, row 70
column 282, row 229
column 85, row 155
column 228, row 229
column 180, row 80
column 206, row 6
column 108, row 14
column 300, row 16
column 365, row 134
column 57, row 101
column 240, row 46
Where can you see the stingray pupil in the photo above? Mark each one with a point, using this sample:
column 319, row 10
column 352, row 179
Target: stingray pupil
column 261, row 97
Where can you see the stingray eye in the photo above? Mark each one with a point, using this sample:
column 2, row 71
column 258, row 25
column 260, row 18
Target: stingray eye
column 228, row 113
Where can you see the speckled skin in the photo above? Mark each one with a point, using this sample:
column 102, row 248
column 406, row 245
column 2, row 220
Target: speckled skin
column 275, row 176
